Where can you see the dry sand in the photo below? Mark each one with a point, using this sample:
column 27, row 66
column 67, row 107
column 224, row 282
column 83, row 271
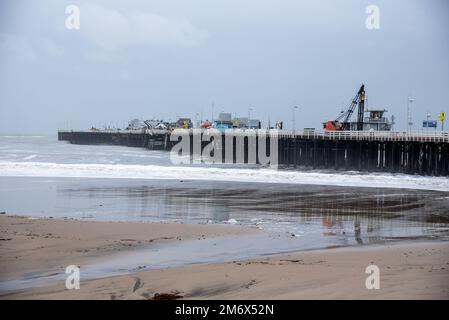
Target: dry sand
column 407, row 271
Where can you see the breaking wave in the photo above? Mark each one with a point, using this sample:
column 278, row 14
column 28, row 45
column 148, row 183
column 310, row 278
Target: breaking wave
column 262, row 175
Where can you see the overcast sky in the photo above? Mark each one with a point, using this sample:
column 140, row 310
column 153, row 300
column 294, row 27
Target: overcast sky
column 168, row 58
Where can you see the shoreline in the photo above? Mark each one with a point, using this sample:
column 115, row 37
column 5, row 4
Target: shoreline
column 408, row 270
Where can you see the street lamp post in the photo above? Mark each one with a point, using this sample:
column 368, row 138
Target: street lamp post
column 409, row 114
column 293, row 118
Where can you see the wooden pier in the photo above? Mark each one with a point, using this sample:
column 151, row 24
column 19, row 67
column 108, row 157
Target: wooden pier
column 411, row 153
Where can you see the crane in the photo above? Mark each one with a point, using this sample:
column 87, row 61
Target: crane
column 341, row 123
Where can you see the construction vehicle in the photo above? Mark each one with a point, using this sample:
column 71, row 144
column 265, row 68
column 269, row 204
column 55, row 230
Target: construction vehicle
column 342, row 122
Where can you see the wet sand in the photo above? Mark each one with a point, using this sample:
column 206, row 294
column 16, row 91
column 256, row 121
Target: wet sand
column 30, row 245
column 408, row 270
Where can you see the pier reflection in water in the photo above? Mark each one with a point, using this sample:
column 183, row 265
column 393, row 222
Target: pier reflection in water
column 351, row 215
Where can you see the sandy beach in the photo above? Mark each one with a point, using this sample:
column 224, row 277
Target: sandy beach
column 33, row 244
column 407, row 271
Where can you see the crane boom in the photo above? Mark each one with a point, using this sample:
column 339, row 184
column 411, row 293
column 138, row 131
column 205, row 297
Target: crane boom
column 342, row 121
column 361, row 100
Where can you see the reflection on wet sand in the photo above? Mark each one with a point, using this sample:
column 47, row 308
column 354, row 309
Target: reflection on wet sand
column 341, row 215
column 365, row 215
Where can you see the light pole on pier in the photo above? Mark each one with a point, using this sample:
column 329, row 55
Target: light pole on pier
column 409, row 114
column 293, row 118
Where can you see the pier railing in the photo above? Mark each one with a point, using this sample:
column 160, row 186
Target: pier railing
column 368, row 135
column 419, row 136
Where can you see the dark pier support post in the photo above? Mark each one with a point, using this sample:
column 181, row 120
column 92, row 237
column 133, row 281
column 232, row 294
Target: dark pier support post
column 432, row 157
column 387, row 158
column 426, row 162
column 280, row 148
column 347, row 155
column 295, row 151
column 292, row 152
column 377, row 154
column 369, row 157
column 444, row 159
column 331, row 154
column 306, row 153
column 394, row 159
column 285, row 151
column 403, row 157
column 437, row 158
column 310, row 153
column 415, row 154
column 411, row 157
column 425, row 159
column 351, row 155
column 383, row 156
column 396, row 156
column 390, row 147
column 380, row 155
column 325, row 154
column 408, row 157
column 420, row 158
column 400, row 156
column 360, row 155
column 298, row 152
column 336, row 145
column 355, row 155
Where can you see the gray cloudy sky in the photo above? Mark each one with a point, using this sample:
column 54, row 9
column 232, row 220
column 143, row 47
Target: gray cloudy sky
column 168, row 58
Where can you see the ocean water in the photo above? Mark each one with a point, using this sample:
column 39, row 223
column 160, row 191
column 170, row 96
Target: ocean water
column 298, row 210
column 40, row 156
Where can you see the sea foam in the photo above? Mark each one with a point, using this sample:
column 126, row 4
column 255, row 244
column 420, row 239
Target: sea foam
column 262, row 175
